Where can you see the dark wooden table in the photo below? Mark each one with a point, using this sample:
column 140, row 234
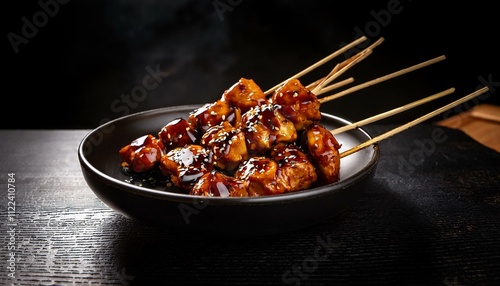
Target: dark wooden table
column 431, row 217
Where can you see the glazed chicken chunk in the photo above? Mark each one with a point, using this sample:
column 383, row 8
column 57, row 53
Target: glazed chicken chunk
column 260, row 175
column 185, row 165
column 298, row 104
column 212, row 114
column 227, row 144
column 323, row 149
column 217, row 184
column 142, row 154
column 295, row 171
column 178, row 133
column 244, row 94
column 265, row 126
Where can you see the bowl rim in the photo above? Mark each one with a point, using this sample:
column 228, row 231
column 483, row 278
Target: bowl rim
column 186, row 198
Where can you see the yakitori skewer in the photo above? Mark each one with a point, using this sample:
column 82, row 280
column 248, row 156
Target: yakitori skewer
column 412, row 123
column 391, row 112
column 381, row 79
column 342, row 67
column 333, row 85
column 255, row 144
column 319, row 63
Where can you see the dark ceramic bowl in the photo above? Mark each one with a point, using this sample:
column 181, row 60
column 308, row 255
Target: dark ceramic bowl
column 100, row 163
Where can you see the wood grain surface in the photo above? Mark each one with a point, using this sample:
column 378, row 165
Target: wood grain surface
column 432, row 221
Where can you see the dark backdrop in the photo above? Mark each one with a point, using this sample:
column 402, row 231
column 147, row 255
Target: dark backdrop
column 71, row 64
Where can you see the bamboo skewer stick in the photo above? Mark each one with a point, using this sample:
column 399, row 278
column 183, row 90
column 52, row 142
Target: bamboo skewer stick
column 342, row 67
column 332, row 86
column 339, row 84
column 319, row 63
column 381, row 79
column 412, row 123
column 392, row 112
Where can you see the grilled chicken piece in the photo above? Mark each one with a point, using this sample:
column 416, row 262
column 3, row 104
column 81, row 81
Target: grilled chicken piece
column 214, row 113
column 296, row 172
column 265, row 126
column 217, row 184
column 142, row 154
column 227, row 144
column 260, row 175
column 185, row 165
column 323, row 149
column 178, row 133
column 244, row 94
column 298, row 104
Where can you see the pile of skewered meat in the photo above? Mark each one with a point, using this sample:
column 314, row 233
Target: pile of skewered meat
column 243, row 145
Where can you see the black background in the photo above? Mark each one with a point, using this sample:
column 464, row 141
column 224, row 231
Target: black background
column 73, row 71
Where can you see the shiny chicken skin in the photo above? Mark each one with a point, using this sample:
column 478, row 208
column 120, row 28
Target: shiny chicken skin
column 265, row 126
column 297, row 103
column 295, row 170
column 142, row 154
column 260, row 175
column 244, row 94
column 212, row 114
column 178, row 133
column 227, row 144
column 217, row 184
column 323, row 149
column 185, row 165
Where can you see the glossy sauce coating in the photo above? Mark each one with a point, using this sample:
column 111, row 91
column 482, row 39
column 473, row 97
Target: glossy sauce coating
column 244, row 94
column 217, row 184
column 265, row 126
column 212, row 114
column 185, row 165
column 243, row 145
column 295, row 172
column 143, row 153
column 297, row 103
column 178, row 133
column 227, row 144
column 323, row 149
column 260, row 173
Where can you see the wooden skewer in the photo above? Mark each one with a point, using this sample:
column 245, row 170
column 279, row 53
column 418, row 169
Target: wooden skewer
column 339, row 84
column 338, row 73
column 319, row 63
column 381, row 79
column 342, row 67
column 412, row 123
column 333, row 85
column 392, row 112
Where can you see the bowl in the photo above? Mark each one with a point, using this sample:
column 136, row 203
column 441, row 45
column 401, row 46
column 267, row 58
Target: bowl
column 169, row 207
